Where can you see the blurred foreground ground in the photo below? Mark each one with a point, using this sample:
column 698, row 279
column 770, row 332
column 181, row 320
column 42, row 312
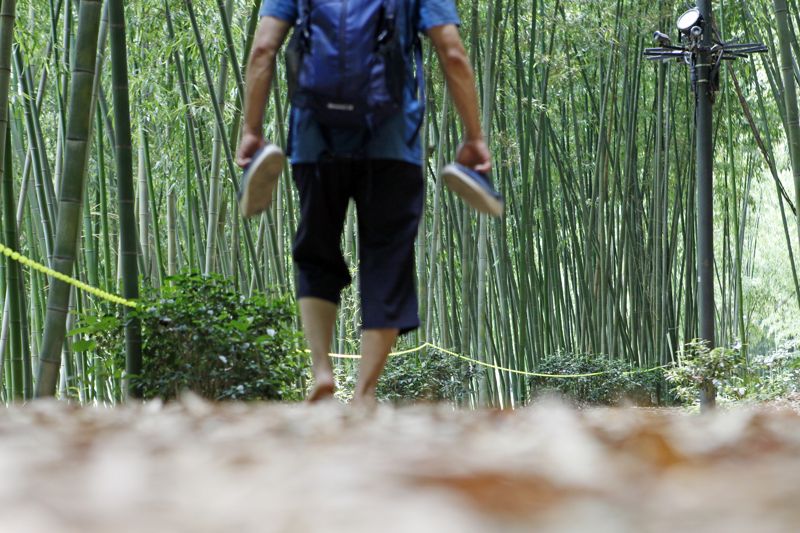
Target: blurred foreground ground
column 198, row 467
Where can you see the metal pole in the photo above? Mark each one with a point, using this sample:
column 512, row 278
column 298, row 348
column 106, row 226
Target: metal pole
column 695, row 48
column 705, row 199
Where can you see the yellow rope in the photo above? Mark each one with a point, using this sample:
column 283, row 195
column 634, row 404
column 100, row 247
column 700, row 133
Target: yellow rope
column 500, row 368
column 16, row 256
column 352, row 356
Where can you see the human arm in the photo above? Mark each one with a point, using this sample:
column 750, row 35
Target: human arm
column 267, row 42
column 473, row 152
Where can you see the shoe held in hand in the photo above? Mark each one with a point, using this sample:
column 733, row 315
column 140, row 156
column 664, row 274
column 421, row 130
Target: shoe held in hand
column 260, row 180
column 473, row 187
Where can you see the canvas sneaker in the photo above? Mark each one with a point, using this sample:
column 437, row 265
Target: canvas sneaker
column 473, row 187
column 260, row 180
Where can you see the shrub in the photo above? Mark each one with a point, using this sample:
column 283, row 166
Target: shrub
column 199, row 334
column 698, row 364
column 103, row 336
column 431, row 377
column 614, row 385
column 773, row 376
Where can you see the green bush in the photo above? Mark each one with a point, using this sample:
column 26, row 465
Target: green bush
column 773, row 376
column 430, row 377
column 699, row 364
column 779, row 372
column 615, row 385
column 199, row 334
column 103, row 337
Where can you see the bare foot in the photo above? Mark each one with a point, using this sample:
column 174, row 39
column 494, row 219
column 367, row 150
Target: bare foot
column 323, row 390
column 365, row 400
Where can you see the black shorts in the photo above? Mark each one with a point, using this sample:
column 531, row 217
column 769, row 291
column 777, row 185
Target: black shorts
column 389, row 200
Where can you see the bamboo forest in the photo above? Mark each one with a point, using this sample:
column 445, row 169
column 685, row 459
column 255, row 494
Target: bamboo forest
column 634, row 312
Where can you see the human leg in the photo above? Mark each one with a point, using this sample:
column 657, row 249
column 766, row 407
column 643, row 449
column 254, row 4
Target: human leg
column 389, row 200
column 321, row 270
column 375, row 347
column 318, row 317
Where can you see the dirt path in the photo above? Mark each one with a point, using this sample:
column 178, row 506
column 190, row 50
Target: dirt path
column 251, row 468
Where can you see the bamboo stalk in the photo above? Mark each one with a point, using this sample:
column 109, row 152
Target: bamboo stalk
column 71, row 193
column 17, row 385
column 172, row 241
column 221, row 129
column 214, row 198
column 789, row 95
column 125, row 196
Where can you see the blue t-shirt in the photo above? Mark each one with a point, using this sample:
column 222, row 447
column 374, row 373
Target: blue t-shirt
column 391, row 139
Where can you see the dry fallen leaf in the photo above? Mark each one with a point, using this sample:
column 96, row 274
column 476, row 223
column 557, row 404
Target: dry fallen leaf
column 203, row 467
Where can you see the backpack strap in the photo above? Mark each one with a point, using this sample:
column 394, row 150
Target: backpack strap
column 416, row 44
column 301, row 43
column 420, row 75
column 303, row 10
column 388, row 23
column 303, row 23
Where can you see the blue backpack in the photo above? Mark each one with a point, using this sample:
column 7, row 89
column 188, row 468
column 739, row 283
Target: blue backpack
column 345, row 62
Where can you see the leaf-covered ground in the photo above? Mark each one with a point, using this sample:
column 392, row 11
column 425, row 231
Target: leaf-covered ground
column 197, row 467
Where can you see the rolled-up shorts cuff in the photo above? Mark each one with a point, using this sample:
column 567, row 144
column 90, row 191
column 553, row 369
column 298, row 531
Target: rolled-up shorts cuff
column 404, row 327
column 333, row 296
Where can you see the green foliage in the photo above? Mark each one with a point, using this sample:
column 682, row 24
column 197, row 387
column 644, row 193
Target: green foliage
column 773, row 376
column 431, row 377
column 104, row 337
column 616, row 383
column 199, row 334
column 697, row 365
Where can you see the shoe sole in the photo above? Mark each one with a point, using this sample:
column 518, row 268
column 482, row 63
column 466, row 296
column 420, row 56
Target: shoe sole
column 262, row 182
column 472, row 193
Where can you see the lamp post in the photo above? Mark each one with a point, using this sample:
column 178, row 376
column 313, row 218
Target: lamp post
column 705, row 196
column 702, row 49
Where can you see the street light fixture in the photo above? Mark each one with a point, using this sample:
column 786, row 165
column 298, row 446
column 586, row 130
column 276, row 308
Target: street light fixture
column 691, row 26
column 689, row 20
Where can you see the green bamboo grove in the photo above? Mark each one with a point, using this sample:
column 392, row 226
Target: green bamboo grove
column 119, row 121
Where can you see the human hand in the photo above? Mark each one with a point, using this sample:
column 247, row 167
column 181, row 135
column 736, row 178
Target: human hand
column 475, row 155
column 249, row 144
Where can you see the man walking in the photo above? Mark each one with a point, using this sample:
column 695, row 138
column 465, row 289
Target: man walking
column 377, row 163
